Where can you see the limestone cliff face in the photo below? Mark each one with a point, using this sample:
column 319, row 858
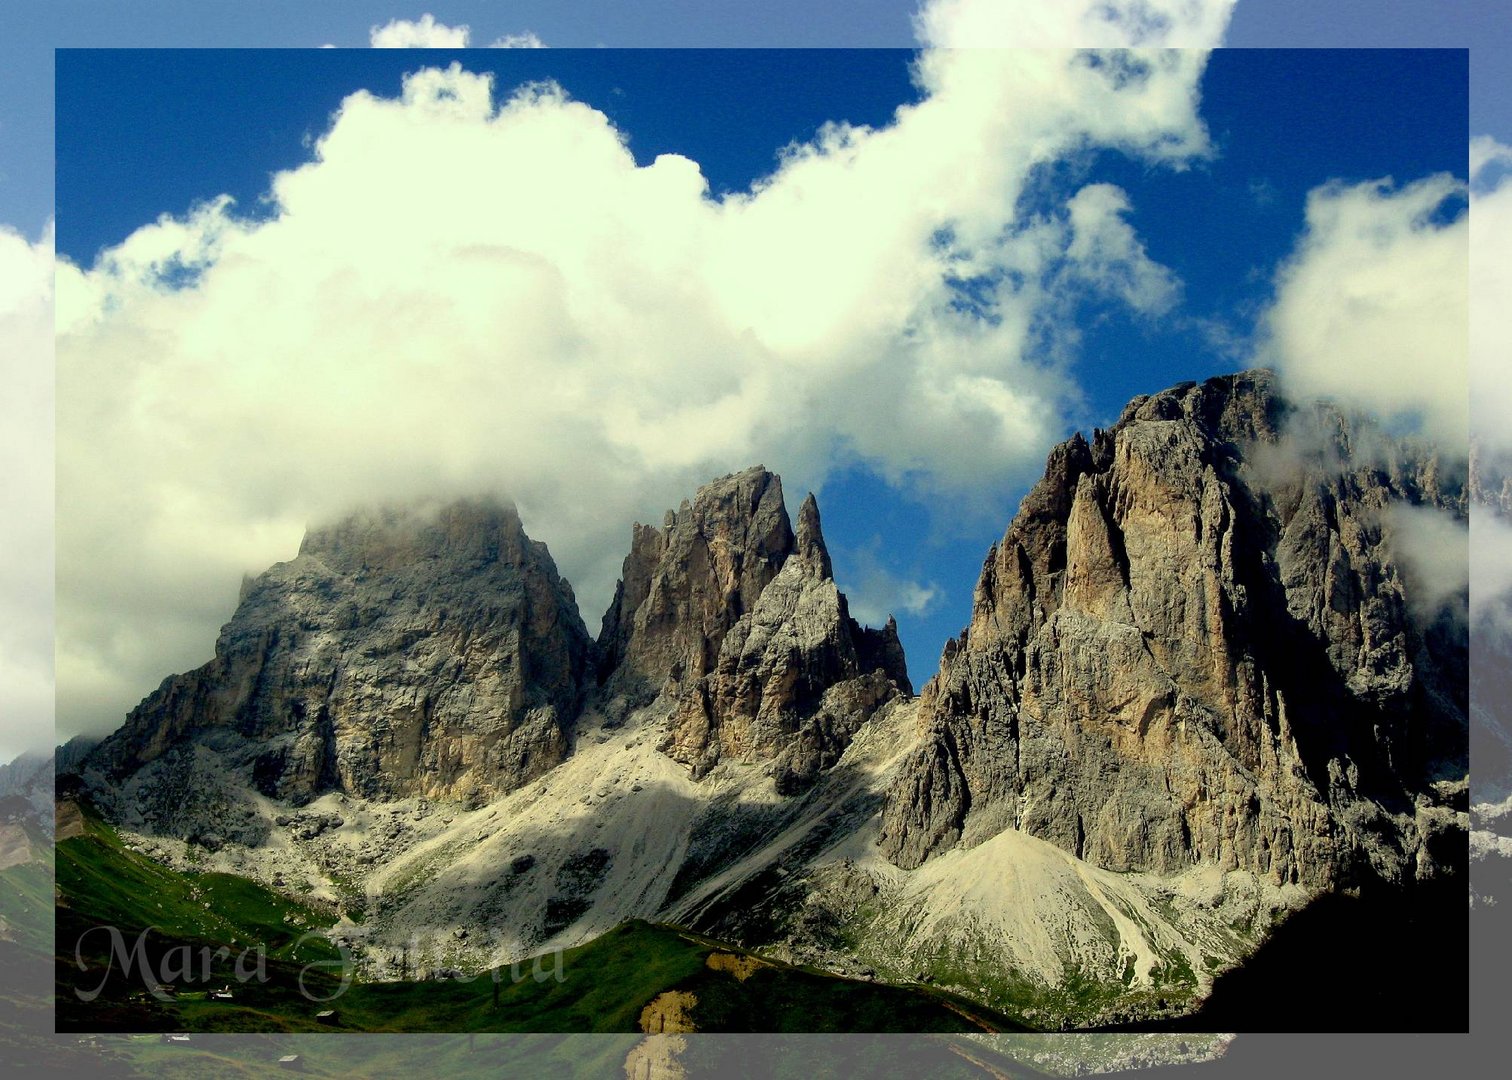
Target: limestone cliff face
column 733, row 620
column 399, row 654
column 441, row 655
column 1196, row 643
column 683, row 586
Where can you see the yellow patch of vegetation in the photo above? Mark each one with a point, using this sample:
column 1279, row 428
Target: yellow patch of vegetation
column 742, row 967
column 669, row 1014
column 657, row 1057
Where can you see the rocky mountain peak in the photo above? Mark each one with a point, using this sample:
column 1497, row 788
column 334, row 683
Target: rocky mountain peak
column 1233, row 409
column 436, row 652
column 383, row 540
column 1196, row 690
column 683, row 586
column 1194, row 644
column 402, row 652
column 809, row 543
column 733, row 621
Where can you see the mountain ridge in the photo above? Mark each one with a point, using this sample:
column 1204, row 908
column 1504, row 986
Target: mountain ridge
column 1232, row 657
column 1116, row 738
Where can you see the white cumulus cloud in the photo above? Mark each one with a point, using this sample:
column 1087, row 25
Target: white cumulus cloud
column 477, row 288
column 1372, row 307
column 426, row 33
column 26, row 525
column 1490, row 376
column 422, row 33
column 1034, row 24
column 1371, row 311
column 1105, row 250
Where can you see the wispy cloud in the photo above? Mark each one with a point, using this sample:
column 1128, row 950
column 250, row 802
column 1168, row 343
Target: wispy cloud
column 1491, row 581
column 1488, row 159
column 1434, row 550
column 875, row 592
column 526, row 40
column 1490, row 284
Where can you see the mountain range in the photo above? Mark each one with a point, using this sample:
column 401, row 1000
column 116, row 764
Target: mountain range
column 1208, row 720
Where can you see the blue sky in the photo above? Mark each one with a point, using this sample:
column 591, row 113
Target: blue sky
column 140, row 134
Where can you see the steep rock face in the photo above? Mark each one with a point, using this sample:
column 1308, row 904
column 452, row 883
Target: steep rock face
column 26, row 802
column 683, row 586
column 733, row 620
column 399, row 654
column 25, row 773
column 1195, row 645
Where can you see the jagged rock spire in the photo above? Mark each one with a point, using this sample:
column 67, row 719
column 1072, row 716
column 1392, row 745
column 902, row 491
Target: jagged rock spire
column 734, row 619
column 810, row 539
column 684, row 585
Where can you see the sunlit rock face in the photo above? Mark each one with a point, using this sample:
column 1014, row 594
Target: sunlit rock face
column 401, row 653
column 1203, row 652
column 439, row 654
column 1199, row 642
column 731, row 619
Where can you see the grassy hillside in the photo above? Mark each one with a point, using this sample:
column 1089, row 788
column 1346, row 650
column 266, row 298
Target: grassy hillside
column 608, row 989
column 101, row 882
column 601, row 986
column 26, row 905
